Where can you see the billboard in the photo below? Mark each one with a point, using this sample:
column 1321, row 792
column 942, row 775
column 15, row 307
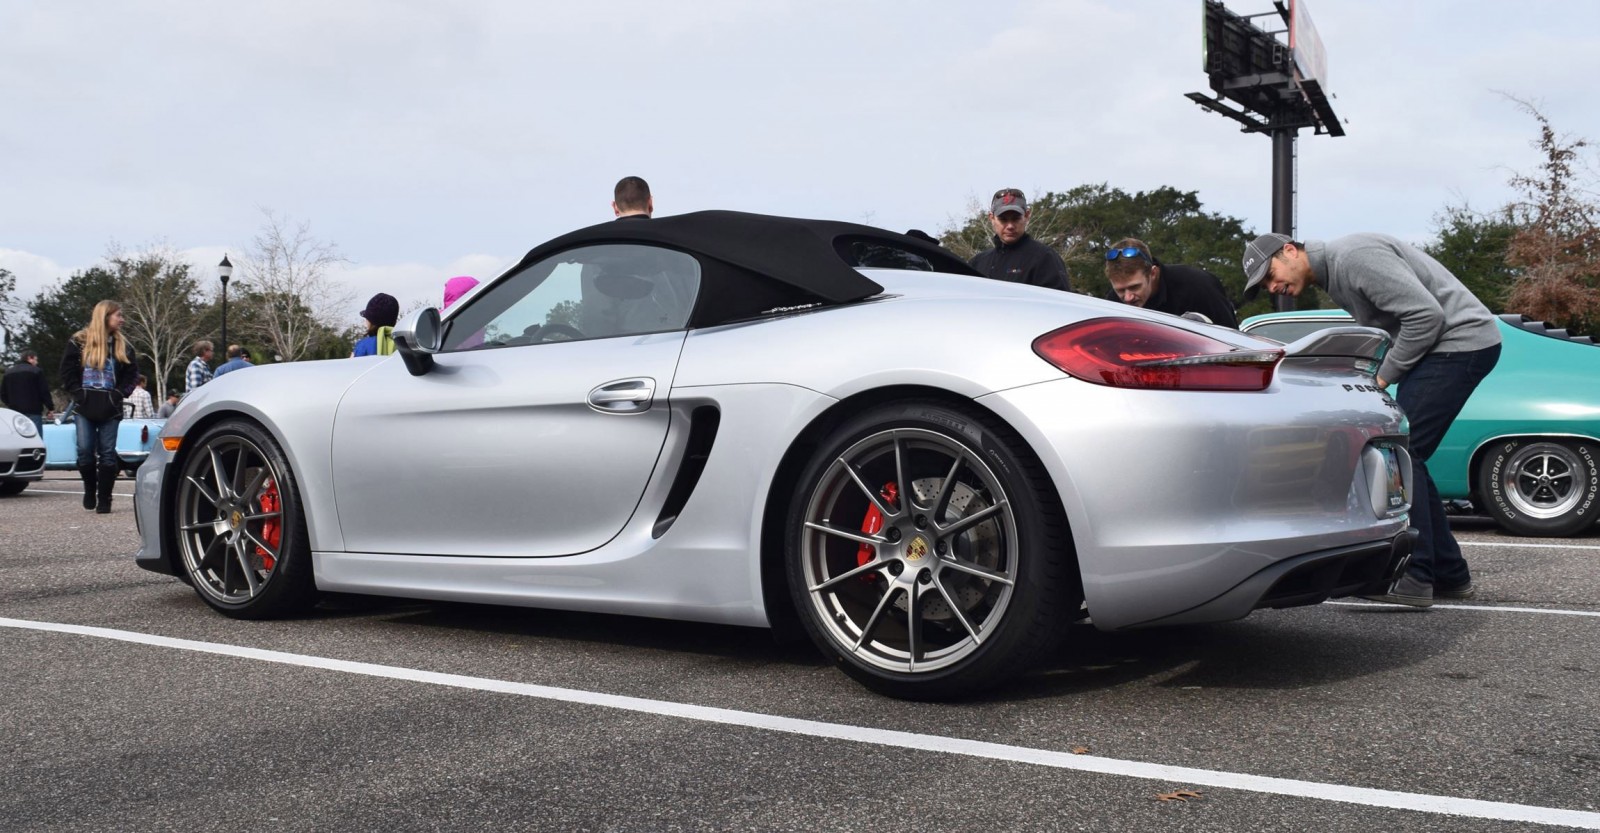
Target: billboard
column 1310, row 62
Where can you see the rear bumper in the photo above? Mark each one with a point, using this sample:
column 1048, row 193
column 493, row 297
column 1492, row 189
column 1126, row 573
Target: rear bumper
column 1308, row 579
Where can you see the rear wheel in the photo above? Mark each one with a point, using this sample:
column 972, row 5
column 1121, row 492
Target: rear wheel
column 927, row 553
column 1542, row 487
column 242, row 539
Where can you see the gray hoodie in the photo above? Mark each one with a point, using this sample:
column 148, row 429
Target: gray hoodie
column 1389, row 284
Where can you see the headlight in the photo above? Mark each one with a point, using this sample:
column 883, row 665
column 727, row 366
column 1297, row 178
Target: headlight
column 23, row 426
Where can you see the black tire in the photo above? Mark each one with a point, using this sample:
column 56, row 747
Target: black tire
column 964, row 587
column 222, row 526
column 1541, row 486
column 12, row 487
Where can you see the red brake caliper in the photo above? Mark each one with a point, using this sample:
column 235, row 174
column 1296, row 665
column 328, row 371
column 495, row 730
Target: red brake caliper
column 272, row 530
column 873, row 522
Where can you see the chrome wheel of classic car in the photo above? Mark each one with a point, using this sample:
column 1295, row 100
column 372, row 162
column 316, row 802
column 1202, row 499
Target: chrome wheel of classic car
column 242, row 539
column 924, row 569
column 1541, row 487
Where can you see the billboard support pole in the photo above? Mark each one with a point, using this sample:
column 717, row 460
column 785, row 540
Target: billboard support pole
column 1283, row 195
column 1270, row 88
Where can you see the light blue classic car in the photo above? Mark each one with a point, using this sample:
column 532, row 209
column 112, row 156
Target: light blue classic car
column 1526, row 448
column 135, row 438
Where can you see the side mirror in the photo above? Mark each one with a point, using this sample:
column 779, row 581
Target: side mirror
column 416, row 339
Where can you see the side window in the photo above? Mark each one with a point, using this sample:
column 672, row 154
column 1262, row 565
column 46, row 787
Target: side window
column 591, row 292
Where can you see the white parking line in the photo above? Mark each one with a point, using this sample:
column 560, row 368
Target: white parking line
column 1529, row 546
column 75, row 492
column 1186, row 776
column 1487, row 608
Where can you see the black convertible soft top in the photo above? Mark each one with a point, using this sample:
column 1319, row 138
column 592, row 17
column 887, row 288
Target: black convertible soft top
column 810, row 261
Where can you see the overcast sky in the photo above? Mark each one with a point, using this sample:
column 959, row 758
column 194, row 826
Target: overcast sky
column 431, row 138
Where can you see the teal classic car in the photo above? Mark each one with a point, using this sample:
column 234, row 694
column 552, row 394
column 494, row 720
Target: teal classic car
column 1526, row 448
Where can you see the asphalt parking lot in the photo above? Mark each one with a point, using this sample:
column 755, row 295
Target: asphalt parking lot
column 129, row 705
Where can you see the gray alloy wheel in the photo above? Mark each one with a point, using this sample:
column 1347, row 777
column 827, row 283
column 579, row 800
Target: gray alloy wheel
column 1541, row 487
column 242, row 540
column 926, row 556
column 942, row 566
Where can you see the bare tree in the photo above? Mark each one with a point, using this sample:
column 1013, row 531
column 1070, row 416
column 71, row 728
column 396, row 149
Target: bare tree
column 1557, row 245
column 159, row 304
column 289, row 300
column 10, row 312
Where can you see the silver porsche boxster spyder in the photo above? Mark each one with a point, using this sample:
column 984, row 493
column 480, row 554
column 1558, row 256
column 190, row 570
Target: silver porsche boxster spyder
column 795, row 424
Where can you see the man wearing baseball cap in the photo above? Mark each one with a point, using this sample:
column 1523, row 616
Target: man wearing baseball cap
column 1445, row 342
column 1016, row 256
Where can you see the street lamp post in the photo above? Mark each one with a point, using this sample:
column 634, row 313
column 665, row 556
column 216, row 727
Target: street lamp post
column 224, row 271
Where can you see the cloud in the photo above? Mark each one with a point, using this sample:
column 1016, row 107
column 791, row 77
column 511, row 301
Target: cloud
column 418, row 133
column 34, row 273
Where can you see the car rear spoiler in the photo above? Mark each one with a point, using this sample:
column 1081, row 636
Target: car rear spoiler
column 1350, row 342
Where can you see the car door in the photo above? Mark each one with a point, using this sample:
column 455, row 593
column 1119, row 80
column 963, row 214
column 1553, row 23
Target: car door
column 539, row 425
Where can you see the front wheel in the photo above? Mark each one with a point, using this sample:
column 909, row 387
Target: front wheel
column 927, row 552
column 242, row 539
column 12, row 487
column 1541, row 487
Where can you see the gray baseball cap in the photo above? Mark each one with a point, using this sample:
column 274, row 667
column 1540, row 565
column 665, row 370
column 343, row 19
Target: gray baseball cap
column 1008, row 199
column 1257, row 254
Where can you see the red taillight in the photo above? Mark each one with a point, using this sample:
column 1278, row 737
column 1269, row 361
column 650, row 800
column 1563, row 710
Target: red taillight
column 1128, row 353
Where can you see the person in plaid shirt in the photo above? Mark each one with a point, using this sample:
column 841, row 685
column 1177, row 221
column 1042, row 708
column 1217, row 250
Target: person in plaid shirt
column 199, row 371
column 143, row 408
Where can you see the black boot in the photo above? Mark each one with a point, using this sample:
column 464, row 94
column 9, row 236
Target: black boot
column 88, row 472
column 107, row 479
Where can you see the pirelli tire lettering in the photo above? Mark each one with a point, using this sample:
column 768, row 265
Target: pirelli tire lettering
column 1542, row 486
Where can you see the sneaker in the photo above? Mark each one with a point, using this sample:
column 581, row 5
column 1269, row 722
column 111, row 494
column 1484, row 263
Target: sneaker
column 1460, row 591
column 1406, row 591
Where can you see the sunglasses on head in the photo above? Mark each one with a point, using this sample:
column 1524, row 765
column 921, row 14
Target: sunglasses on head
column 1129, row 251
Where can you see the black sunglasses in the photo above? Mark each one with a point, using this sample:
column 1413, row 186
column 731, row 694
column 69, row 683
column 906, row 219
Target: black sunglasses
column 1130, row 251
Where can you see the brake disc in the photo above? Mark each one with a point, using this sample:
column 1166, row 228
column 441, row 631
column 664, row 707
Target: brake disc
column 979, row 545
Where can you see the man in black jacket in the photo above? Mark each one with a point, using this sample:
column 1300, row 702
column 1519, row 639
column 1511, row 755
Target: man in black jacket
column 25, row 391
column 1139, row 279
column 1017, row 257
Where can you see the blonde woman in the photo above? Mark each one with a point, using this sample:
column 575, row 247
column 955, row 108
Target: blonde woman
column 98, row 370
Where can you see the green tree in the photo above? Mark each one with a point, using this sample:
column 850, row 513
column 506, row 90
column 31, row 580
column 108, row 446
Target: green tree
column 566, row 312
column 289, row 322
column 1473, row 246
column 58, row 312
column 1083, row 222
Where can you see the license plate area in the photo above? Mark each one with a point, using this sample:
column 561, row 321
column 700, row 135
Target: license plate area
column 1387, row 467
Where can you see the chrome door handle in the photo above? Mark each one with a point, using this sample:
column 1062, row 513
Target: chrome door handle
column 627, row 396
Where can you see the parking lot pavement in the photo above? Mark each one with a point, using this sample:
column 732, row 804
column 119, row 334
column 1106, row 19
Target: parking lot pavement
column 1493, row 700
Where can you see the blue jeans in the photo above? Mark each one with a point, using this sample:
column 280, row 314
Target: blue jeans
column 97, row 443
column 38, row 423
column 1431, row 395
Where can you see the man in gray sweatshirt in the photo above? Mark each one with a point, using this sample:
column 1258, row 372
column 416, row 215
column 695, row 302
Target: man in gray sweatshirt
column 1445, row 342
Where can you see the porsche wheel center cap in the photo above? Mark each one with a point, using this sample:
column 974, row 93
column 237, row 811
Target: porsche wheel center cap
column 917, row 548
column 235, row 519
